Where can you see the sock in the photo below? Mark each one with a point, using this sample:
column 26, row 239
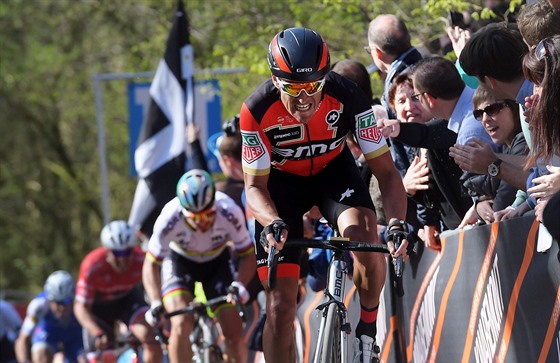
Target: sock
column 368, row 322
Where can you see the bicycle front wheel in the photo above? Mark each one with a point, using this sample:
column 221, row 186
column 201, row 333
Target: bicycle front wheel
column 331, row 351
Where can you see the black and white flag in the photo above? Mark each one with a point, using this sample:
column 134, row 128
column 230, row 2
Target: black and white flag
column 160, row 155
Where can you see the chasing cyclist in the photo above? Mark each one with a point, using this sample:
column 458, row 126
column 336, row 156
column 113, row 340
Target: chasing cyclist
column 190, row 243
column 294, row 128
column 110, row 291
column 49, row 323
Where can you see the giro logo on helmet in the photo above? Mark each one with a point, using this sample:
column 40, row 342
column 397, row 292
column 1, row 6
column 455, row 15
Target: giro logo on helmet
column 304, row 70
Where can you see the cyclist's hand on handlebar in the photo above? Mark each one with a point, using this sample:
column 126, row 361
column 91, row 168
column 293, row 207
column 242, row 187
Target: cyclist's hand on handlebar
column 155, row 314
column 241, row 292
column 101, row 341
column 267, row 235
column 398, row 232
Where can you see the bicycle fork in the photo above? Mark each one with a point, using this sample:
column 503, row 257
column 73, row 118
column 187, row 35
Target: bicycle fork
column 335, row 292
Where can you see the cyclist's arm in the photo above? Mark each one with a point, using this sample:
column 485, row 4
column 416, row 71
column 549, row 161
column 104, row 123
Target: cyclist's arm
column 259, row 200
column 246, row 269
column 82, row 311
column 390, row 185
column 151, row 278
column 22, row 347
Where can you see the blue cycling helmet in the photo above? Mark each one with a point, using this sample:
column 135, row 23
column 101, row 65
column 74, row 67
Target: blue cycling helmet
column 196, row 190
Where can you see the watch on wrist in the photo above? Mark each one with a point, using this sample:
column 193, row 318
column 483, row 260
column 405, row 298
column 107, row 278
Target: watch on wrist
column 494, row 168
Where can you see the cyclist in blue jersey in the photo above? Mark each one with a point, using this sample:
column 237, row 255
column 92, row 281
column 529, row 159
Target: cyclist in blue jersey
column 50, row 326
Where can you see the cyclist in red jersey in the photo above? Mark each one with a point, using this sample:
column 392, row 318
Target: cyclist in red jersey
column 109, row 290
column 294, row 128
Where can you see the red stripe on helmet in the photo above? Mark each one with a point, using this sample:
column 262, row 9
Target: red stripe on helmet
column 325, row 57
column 278, row 56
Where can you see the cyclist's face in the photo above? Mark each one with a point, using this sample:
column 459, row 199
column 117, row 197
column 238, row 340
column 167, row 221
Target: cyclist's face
column 120, row 261
column 301, row 107
column 60, row 310
column 202, row 221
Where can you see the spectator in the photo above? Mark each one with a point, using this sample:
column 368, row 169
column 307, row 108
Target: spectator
column 49, row 323
column 440, row 89
column 501, row 120
column 433, row 179
column 109, row 291
column 542, row 67
column 494, row 55
column 9, row 330
column 189, row 244
column 537, row 21
column 392, row 52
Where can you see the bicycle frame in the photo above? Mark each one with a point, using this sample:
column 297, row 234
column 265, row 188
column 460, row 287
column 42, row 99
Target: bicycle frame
column 335, row 292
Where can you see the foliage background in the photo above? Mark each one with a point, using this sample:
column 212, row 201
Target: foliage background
column 50, row 186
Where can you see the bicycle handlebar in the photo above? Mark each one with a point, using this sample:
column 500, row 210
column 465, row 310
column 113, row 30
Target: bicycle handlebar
column 198, row 306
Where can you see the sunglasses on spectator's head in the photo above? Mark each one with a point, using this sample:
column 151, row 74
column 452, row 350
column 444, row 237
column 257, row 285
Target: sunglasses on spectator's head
column 491, row 110
column 122, row 253
column 540, row 50
column 294, row 89
column 231, row 126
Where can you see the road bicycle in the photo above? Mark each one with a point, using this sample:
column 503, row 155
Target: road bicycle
column 334, row 328
column 205, row 335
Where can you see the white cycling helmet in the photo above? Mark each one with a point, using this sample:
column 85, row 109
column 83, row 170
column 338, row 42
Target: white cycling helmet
column 117, row 236
column 196, row 190
column 60, row 286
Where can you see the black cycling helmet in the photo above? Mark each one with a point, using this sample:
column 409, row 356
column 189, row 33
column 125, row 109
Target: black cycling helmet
column 299, row 55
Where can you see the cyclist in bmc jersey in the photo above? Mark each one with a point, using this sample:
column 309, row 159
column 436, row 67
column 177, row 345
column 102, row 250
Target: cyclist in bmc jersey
column 50, row 326
column 191, row 242
column 110, row 291
column 294, row 128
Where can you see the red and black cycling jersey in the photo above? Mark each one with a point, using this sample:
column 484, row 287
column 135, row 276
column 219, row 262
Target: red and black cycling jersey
column 272, row 137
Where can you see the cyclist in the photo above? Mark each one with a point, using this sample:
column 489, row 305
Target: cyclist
column 109, row 291
column 189, row 244
column 294, row 129
column 49, row 323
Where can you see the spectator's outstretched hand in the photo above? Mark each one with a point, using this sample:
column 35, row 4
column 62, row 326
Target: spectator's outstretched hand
column 475, row 156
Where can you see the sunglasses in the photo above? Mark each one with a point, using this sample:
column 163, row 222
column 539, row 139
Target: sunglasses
column 203, row 217
column 231, row 126
column 294, row 89
column 491, row 110
column 64, row 302
column 122, row 253
column 416, row 96
column 540, row 50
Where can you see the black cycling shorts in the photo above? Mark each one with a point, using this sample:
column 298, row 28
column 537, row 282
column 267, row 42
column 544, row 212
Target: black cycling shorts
column 334, row 189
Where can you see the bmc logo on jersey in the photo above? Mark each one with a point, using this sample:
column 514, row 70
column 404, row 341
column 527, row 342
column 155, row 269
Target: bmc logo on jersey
column 252, row 146
column 367, row 127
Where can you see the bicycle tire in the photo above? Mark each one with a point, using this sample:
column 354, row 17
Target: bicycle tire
column 330, row 352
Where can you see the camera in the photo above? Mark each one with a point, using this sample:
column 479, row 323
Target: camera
column 455, row 18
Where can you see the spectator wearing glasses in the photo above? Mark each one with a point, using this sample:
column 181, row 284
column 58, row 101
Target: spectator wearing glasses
column 294, row 128
column 109, row 291
column 501, row 120
column 190, row 243
column 50, row 323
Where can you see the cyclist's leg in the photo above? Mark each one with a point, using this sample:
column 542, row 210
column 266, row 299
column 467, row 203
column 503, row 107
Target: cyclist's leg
column 134, row 307
column 347, row 202
column 215, row 285
column 177, row 293
column 278, row 332
column 232, row 330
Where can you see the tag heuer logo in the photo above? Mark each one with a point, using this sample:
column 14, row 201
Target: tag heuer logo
column 252, row 147
column 367, row 127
